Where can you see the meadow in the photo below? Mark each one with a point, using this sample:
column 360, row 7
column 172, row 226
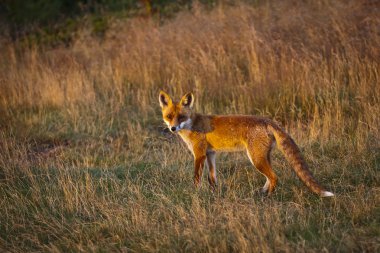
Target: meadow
column 87, row 165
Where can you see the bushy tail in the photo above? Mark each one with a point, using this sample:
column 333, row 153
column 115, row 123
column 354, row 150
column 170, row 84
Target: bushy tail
column 292, row 153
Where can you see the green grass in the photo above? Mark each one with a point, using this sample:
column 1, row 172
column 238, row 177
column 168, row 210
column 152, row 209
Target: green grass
column 92, row 195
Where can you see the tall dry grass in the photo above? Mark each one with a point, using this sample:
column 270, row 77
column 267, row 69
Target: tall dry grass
column 86, row 165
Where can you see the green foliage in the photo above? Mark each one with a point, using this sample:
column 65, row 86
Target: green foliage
column 45, row 22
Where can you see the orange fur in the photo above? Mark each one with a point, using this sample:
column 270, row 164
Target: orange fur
column 207, row 134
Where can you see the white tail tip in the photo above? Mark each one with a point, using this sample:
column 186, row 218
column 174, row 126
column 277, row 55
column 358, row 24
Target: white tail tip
column 327, row 194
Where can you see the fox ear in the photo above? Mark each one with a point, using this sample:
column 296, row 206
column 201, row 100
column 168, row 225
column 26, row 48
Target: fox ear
column 187, row 100
column 164, row 99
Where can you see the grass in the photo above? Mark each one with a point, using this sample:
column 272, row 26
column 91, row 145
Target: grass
column 87, row 165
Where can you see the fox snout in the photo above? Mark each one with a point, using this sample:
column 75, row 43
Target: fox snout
column 173, row 128
column 183, row 125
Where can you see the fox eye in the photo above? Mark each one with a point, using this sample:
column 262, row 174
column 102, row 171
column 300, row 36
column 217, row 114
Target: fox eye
column 170, row 117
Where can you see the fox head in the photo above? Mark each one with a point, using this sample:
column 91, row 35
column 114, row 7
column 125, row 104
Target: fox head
column 177, row 115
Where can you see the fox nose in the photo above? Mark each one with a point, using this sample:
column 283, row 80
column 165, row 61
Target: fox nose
column 173, row 129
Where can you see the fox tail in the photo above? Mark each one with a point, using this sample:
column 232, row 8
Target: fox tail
column 293, row 155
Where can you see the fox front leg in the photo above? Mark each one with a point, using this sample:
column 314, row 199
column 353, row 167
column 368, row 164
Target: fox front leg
column 211, row 169
column 198, row 169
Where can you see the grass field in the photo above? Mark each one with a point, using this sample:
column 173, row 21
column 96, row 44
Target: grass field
column 86, row 164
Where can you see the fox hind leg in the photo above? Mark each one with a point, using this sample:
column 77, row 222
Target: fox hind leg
column 259, row 157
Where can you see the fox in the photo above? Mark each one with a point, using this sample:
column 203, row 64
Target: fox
column 206, row 135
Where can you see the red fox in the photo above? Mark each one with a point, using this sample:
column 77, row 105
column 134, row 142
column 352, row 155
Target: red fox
column 207, row 134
